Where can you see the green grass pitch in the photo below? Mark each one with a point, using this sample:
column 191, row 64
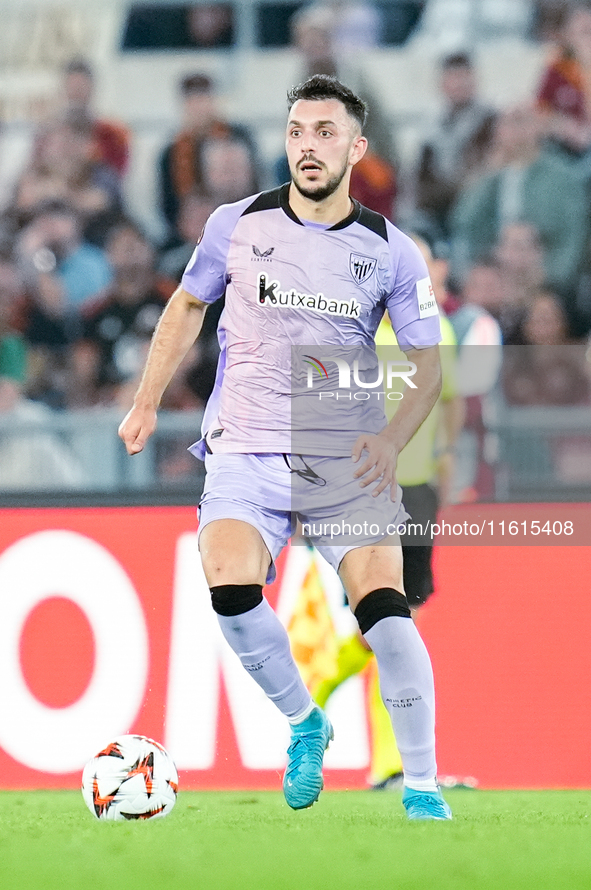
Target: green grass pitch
column 498, row 840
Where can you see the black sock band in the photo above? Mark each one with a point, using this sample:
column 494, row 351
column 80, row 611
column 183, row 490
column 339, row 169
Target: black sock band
column 235, row 599
column 385, row 602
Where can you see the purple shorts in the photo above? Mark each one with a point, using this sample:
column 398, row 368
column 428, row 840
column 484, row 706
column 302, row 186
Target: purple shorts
column 272, row 491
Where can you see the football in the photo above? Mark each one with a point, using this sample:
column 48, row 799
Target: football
column 133, row 777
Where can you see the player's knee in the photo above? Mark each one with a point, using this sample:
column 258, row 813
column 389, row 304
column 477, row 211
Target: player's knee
column 235, row 599
column 385, row 602
column 233, row 552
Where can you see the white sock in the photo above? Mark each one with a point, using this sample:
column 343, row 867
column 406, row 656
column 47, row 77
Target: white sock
column 417, row 785
column 299, row 718
column 406, row 683
column 261, row 643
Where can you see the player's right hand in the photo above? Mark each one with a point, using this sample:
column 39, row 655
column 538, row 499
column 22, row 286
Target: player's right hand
column 136, row 428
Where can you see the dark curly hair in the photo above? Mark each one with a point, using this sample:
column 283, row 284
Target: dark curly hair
column 322, row 86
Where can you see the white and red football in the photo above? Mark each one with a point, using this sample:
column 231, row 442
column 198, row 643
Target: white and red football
column 133, row 777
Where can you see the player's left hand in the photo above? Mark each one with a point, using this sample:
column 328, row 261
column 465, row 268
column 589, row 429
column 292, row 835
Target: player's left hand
column 379, row 463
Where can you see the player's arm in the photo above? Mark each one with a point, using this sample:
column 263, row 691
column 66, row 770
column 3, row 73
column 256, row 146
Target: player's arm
column 417, row 403
column 383, row 449
column 175, row 333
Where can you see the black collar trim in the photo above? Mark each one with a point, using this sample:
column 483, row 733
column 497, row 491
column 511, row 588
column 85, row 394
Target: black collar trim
column 286, row 207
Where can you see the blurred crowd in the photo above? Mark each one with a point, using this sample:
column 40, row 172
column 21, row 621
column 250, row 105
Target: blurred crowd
column 502, row 194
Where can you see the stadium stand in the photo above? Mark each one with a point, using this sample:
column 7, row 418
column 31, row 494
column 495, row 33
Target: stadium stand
column 398, row 45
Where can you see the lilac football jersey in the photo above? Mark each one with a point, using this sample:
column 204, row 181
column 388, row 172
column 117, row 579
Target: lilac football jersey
column 288, row 283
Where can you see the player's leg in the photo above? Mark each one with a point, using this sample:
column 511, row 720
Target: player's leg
column 386, row 763
column 353, row 657
column 233, row 552
column 373, row 579
column 236, row 562
column 239, row 541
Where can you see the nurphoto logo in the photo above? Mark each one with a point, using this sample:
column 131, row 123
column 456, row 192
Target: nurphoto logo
column 386, row 373
column 401, row 370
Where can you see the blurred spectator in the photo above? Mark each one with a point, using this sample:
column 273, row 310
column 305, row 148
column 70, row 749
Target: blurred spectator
column 580, row 315
column 564, row 94
column 193, row 214
column 358, row 25
column 527, row 185
column 373, row 179
column 373, row 184
column 210, row 25
column 313, row 29
column 480, row 300
column 548, row 18
column 59, row 271
column 179, row 26
column 181, row 164
column 520, row 256
column 13, row 349
column 475, row 326
column 550, row 368
column 459, row 143
column 118, row 326
column 63, row 168
column 429, row 460
column 32, row 456
column 479, row 362
column 110, row 140
column 52, row 245
column 30, row 333
column 194, row 382
column 545, row 323
column 228, row 169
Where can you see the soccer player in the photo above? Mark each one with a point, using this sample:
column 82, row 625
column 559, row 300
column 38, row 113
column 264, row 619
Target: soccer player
column 305, row 264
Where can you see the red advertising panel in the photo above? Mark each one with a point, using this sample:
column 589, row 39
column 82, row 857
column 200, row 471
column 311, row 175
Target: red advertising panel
column 106, row 628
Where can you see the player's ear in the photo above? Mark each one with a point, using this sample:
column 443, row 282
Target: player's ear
column 358, row 149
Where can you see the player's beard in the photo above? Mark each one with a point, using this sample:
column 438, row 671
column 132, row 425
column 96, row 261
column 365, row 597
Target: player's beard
column 324, row 191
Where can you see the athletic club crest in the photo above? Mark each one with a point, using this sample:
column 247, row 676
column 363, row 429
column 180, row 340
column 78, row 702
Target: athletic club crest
column 361, row 267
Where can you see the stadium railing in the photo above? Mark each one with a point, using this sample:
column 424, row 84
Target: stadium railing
column 543, row 453
column 536, row 454
column 72, row 456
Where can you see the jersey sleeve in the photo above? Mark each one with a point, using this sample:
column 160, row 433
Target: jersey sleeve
column 205, row 276
column 411, row 304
